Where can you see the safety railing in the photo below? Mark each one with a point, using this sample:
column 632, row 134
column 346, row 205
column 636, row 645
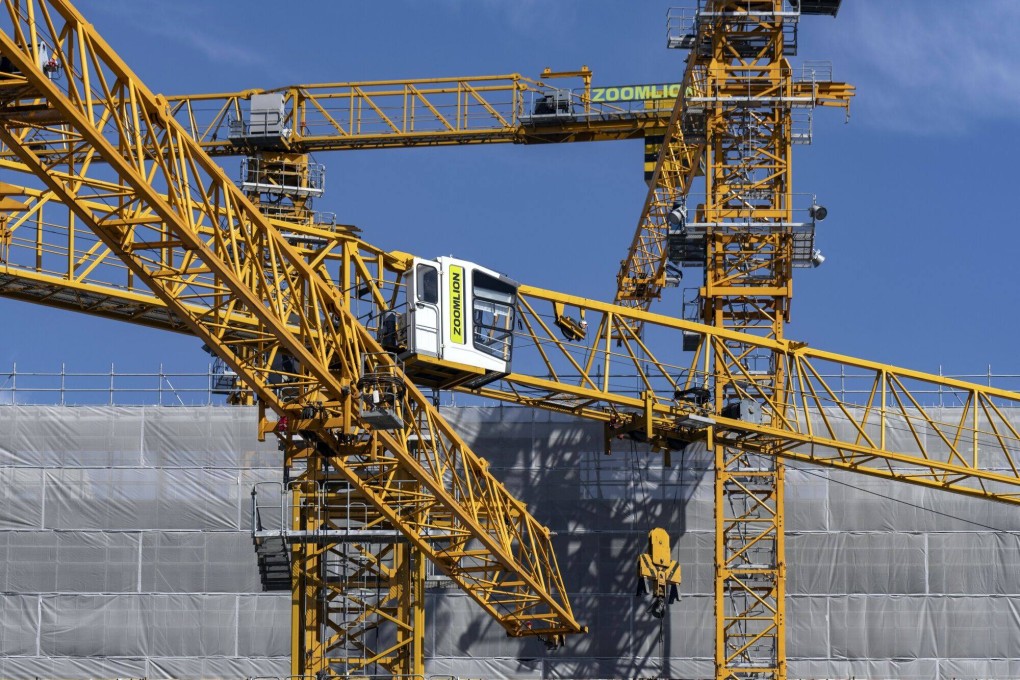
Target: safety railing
column 681, row 27
column 814, row 71
column 282, row 178
column 163, row 388
column 682, row 23
column 743, row 211
column 111, row 388
column 605, row 103
column 328, row 505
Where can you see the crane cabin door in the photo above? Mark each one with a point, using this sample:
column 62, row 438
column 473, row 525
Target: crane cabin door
column 423, row 308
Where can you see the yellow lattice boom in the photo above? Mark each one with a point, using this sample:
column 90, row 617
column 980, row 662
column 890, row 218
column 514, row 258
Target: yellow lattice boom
column 130, row 173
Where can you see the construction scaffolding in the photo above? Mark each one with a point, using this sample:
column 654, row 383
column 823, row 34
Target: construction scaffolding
column 126, row 550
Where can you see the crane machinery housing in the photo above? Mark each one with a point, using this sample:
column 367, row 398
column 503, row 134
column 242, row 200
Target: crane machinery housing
column 336, row 361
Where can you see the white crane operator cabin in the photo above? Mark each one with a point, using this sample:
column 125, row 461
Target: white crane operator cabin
column 455, row 312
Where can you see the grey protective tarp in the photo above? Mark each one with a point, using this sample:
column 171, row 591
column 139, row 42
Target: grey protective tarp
column 21, row 498
column 124, row 552
column 201, row 499
column 19, row 624
column 124, row 545
column 151, row 668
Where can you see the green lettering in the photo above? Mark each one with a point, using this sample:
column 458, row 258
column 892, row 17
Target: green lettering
column 457, row 304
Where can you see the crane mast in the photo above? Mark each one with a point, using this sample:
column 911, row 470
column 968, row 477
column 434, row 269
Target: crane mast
column 735, row 125
column 354, row 426
column 747, row 260
column 747, row 180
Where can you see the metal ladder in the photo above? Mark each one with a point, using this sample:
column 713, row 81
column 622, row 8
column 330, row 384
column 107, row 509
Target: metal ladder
column 274, row 562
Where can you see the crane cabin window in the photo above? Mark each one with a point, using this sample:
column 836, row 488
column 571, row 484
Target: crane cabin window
column 427, row 288
column 492, row 314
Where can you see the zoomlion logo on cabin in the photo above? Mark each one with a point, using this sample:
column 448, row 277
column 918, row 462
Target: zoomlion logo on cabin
column 457, row 304
column 634, row 93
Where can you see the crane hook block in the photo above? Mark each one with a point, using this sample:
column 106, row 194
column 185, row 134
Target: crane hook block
column 658, row 574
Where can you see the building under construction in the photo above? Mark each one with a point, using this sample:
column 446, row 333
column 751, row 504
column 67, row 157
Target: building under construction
column 128, row 552
column 628, row 494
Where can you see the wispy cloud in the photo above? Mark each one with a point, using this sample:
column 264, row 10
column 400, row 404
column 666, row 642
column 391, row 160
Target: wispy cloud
column 932, row 67
column 215, row 48
column 183, row 23
column 524, row 16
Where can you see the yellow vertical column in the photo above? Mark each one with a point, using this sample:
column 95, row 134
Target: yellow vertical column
column 747, row 277
column 410, row 612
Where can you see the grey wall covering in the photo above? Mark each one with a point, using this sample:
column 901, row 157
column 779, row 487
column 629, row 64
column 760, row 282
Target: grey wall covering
column 124, row 552
column 124, row 545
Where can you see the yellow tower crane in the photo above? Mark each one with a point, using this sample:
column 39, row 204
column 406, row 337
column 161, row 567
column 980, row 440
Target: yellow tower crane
column 973, row 451
column 201, row 243
column 258, row 292
column 742, row 109
column 276, row 131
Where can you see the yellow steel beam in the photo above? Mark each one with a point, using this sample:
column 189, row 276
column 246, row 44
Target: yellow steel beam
column 423, row 112
column 406, row 113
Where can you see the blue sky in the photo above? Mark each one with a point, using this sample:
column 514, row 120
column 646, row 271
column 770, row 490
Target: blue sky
column 920, row 235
